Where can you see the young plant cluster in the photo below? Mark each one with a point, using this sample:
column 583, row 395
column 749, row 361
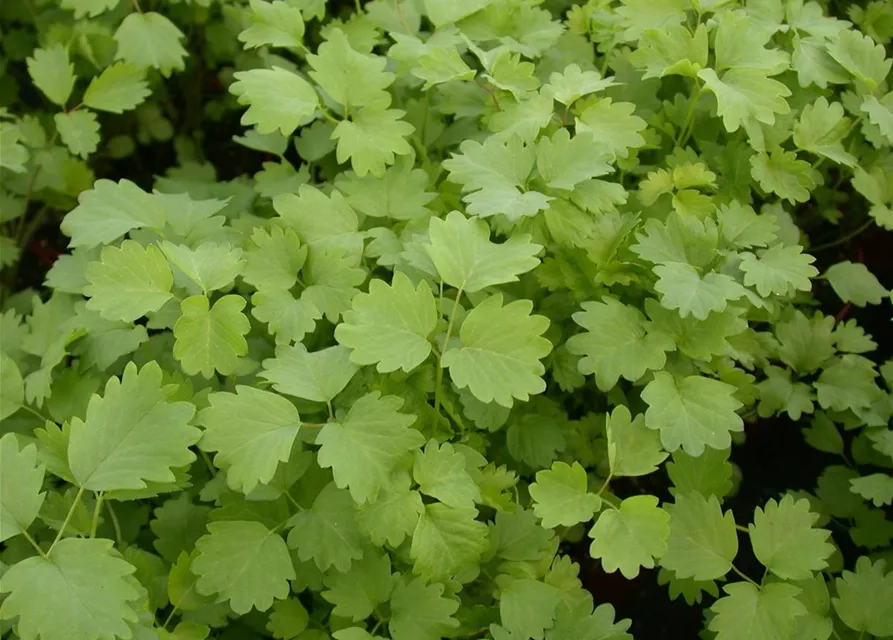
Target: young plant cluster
column 489, row 260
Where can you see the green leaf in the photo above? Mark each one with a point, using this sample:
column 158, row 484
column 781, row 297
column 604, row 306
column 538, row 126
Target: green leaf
column 277, row 24
column 740, row 226
column 441, row 473
column 573, row 83
column 358, row 592
column 853, row 282
column 441, row 64
column 703, row 541
column 322, row 221
column 447, row 541
column 394, row 514
column 633, row 449
column 21, row 480
column 613, row 126
column 211, row 266
column 274, row 260
column 350, row 78
column 564, row 162
column 177, row 524
column 327, row 533
column 13, row 154
column 780, row 270
column 401, row 195
column 277, row 99
column 363, row 448
column 785, row 541
column 243, row 563
column 465, row 258
column 681, row 287
column 132, row 434
column 371, row 139
column 630, row 537
column 526, row 607
column 560, row 496
column 420, row 612
column 877, row 487
column 500, row 352
column 744, row 95
column 79, row 131
column 210, row 338
column 52, row 73
column 288, row 619
column 880, row 114
column 150, row 40
column 442, row 12
column 784, row 175
column 128, row 282
column 119, row 88
column 861, row 56
column 93, row 593
column 692, row 413
column 391, row 325
column 821, row 130
column 12, row 389
column 739, row 44
column 317, row 376
column 617, row 343
column 847, row 382
column 288, row 319
column 252, row 431
column 865, row 598
column 108, row 211
column 495, row 175
column 750, row 613
column 671, row 51
column 90, row 8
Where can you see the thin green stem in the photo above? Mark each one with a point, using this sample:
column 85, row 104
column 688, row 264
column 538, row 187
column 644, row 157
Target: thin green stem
column 438, row 382
column 35, row 545
column 207, row 460
column 331, row 411
column 742, row 529
column 846, row 238
column 35, row 412
column 689, row 122
column 94, row 524
column 606, row 483
column 328, row 115
column 358, row 6
column 68, row 516
column 136, row 6
column 115, row 524
column 741, row 574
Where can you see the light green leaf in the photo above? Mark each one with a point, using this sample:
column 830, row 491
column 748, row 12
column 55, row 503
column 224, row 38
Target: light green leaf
column 318, row 376
column 393, row 515
column 128, row 282
column 613, row 126
column 363, row 448
column 108, row 211
column 358, row 592
column 119, row 88
column 880, row 114
column 150, row 40
column 633, row 449
column 744, row 95
column 671, row 51
column 447, row 541
column 785, row 540
column 94, row 595
column 681, row 287
column 21, row 480
column 783, row 174
column 441, row 473
column 52, row 73
column 277, row 99
column 821, row 129
column 573, row 83
column 252, row 431
column 750, row 613
column 79, row 131
column 564, row 162
column 703, row 541
column 210, row 265
column 90, row 8
column 780, row 270
column 351, row 78
column 132, row 434
column 401, row 195
column 862, row 57
column 853, row 282
column 560, row 496
column 390, row 326
column 371, row 139
column 617, row 343
column 243, row 563
column 421, row 612
column 526, row 606
column 277, row 24
column 12, row 389
column 288, row 319
column 877, row 487
column 500, row 352
column 274, row 259
column 692, row 413
column 441, row 64
column 327, row 533
column 865, row 598
column 630, row 537
column 288, row 619
column 210, row 338
column 739, row 44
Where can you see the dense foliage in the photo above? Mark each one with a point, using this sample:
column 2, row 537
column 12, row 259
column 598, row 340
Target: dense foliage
column 370, row 311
